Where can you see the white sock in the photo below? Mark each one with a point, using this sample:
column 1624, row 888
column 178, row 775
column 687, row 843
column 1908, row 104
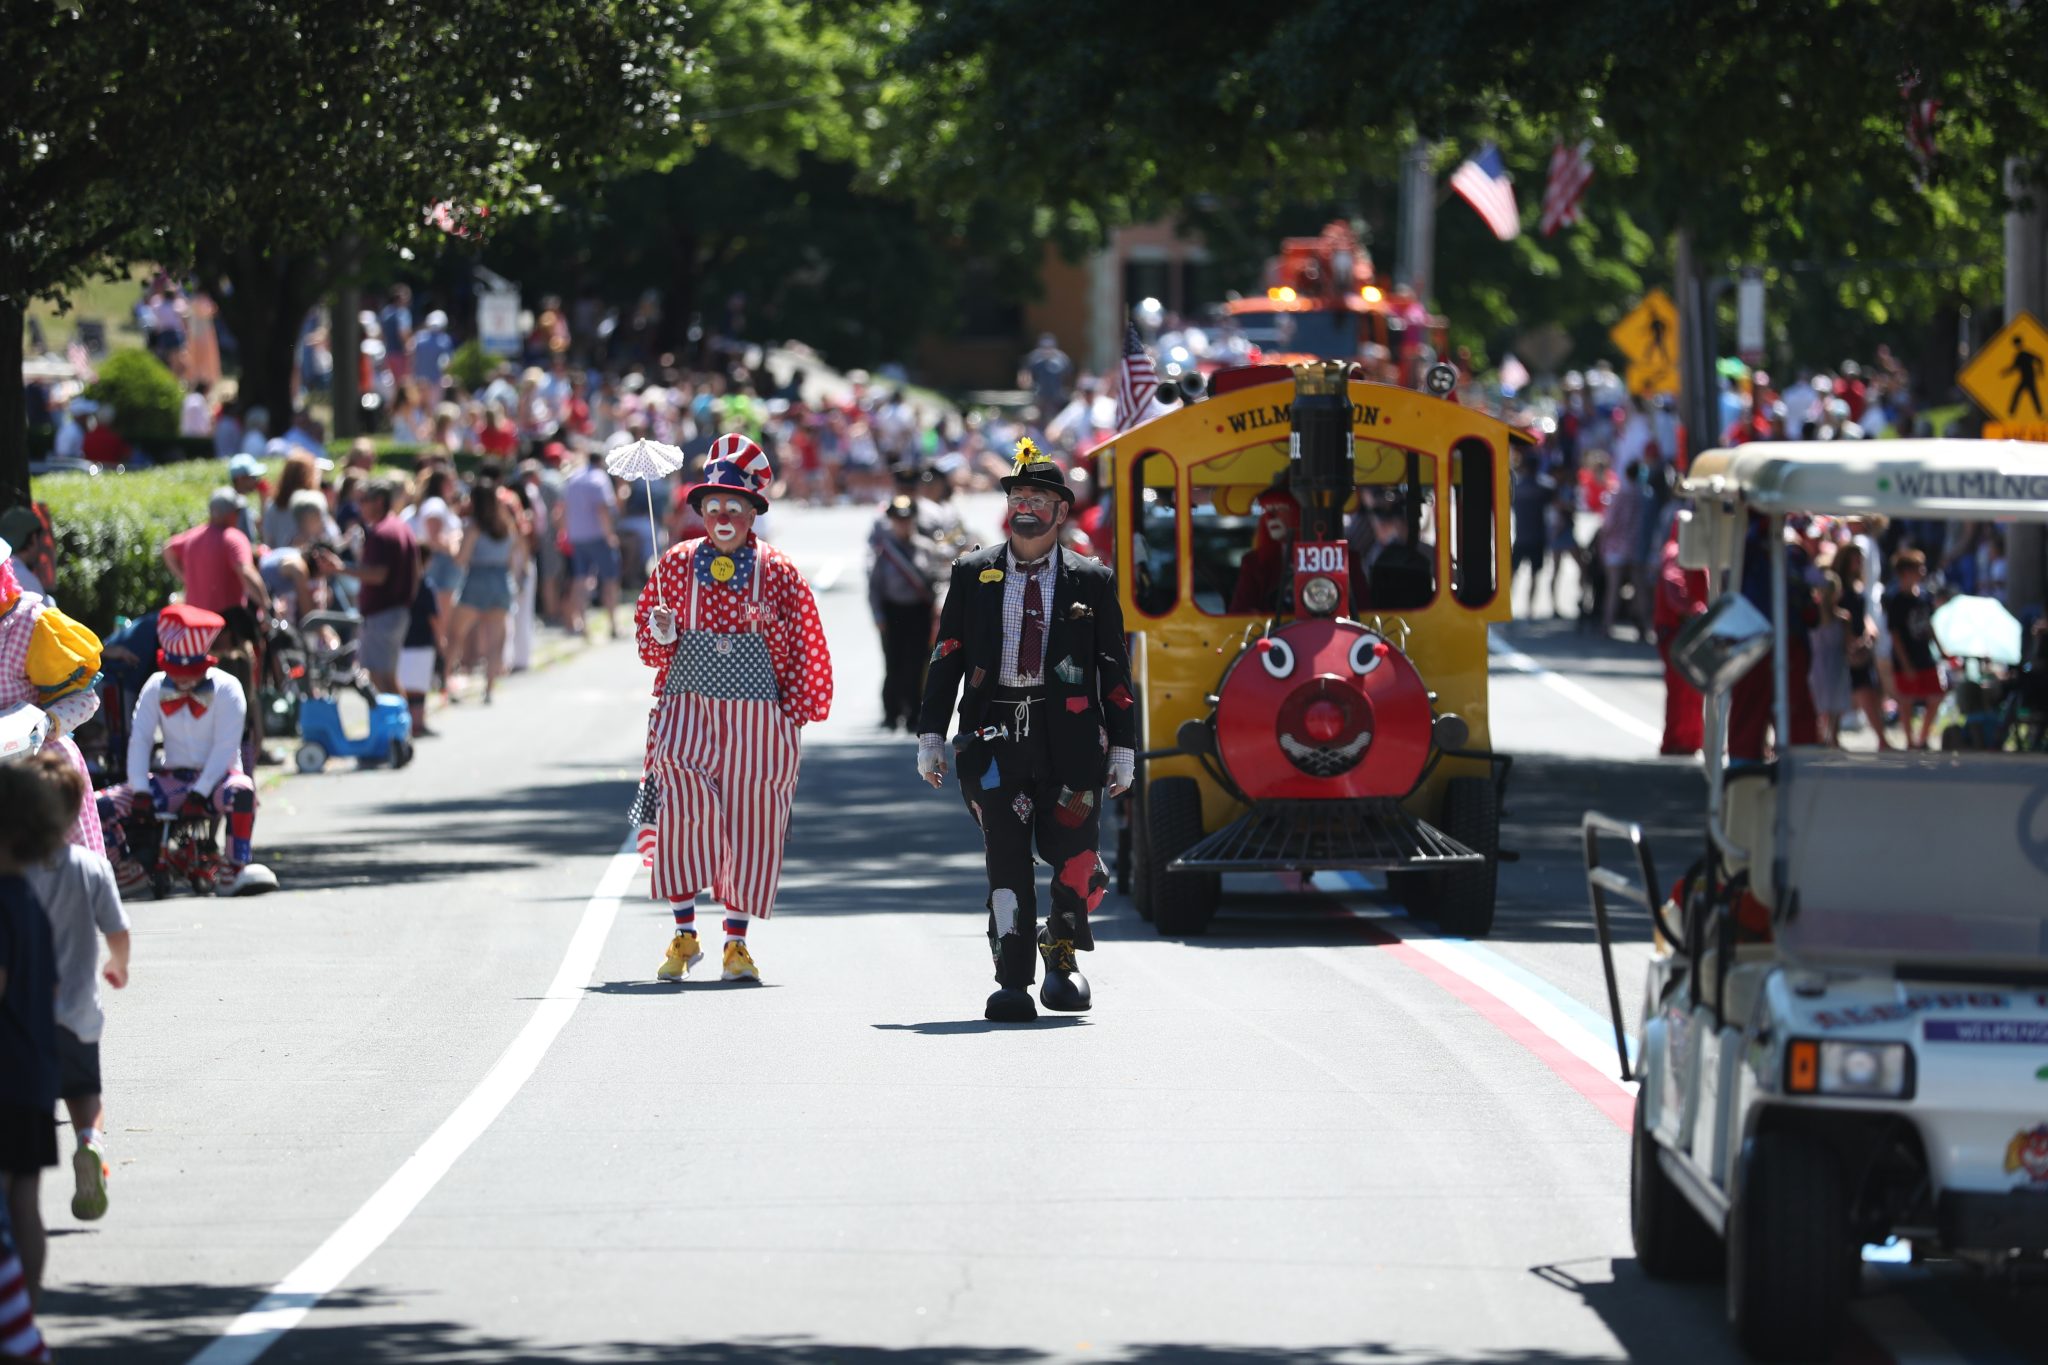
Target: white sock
column 88, row 1135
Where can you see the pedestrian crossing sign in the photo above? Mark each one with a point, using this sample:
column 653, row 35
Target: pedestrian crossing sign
column 1648, row 336
column 2009, row 376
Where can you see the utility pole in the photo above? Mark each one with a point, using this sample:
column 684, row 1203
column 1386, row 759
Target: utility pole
column 1415, row 261
column 2026, row 290
column 1697, row 386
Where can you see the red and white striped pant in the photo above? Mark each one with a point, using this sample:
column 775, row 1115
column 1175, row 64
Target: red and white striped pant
column 727, row 773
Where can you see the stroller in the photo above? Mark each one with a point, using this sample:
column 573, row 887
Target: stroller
column 330, row 669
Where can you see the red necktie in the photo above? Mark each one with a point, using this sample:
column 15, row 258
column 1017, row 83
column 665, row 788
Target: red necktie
column 173, row 705
column 1031, row 647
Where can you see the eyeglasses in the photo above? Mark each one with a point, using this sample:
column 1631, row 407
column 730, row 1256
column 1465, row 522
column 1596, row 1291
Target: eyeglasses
column 1033, row 500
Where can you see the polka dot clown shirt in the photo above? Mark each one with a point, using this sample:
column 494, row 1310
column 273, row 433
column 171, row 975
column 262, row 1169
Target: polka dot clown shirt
column 788, row 617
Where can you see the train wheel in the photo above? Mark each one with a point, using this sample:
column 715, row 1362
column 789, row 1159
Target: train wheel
column 1465, row 896
column 1142, row 879
column 1182, row 902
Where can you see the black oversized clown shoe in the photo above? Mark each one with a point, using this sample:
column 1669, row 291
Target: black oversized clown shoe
column 1065, row 989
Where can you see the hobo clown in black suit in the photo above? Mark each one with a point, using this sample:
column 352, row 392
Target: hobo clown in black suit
column 1045, row 721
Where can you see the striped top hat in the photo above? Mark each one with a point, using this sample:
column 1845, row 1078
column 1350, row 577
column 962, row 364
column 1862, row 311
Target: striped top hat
column 734, row 465
column 184, row 635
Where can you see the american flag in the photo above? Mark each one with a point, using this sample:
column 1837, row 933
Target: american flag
column 1137, row 383
column 1484, row 184
column 1569, row 172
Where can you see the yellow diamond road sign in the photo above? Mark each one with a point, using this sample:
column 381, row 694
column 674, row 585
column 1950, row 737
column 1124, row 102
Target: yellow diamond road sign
column 2009, row 376
column 1649, row 338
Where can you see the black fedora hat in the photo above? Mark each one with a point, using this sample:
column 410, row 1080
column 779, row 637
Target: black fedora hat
column 1035, row 469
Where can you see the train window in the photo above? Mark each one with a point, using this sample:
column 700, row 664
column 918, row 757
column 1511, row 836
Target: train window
column 1474, row 532
column 1154, row 513
column 1393, row 532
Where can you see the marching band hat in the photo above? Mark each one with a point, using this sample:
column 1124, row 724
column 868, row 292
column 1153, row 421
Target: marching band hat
column 184, row 635
column 1035, row 469
column 734, row 465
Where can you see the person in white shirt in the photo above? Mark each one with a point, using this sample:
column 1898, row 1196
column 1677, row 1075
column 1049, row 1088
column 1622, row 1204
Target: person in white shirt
column 198, row 712
column 195, row 418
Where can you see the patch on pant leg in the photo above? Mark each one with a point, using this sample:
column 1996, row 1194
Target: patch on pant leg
column 1073, row 807
column 975, row 678
column 943, row 648
column 993, row 778
column 1085, row 876
column 1067, row 671
column 1002, row 903
column 1022, row 805
column 1077, row 704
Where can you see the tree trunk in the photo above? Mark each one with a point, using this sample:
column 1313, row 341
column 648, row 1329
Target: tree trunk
column 345, row 340
column 680, row 300
column 265, row 307
column 13, row 411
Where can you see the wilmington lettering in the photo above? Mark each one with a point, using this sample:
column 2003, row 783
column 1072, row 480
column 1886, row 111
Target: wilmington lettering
column 1985, row 484
column 1282, row 414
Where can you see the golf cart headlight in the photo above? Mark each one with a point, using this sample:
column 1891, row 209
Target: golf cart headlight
column 1847, row 1067
column 1319, row 595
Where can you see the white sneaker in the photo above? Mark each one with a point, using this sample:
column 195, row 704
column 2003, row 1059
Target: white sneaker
column 253, row 879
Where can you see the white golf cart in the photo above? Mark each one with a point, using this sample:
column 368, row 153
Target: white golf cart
column 1844, row 1034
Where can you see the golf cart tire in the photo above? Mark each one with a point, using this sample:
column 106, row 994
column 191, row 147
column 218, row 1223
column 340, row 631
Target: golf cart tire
column 1183, row 903
column 1791, row 1260
column 1465, row 893
column 1672, row 1241
column 401, row 752
column 310, row 758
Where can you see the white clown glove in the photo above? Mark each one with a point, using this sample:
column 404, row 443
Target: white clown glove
column 661, row 624
column 1123, row 766
column 931, row 758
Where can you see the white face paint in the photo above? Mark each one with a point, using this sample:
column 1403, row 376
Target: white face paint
column 727, row 519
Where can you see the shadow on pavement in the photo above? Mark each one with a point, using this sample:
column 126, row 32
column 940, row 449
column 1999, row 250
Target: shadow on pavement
column 942, row 1028
column 408, row 842
column 649, row 986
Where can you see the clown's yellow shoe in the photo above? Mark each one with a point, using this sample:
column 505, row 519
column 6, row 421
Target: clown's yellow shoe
column 683, row 954
column 739, row 963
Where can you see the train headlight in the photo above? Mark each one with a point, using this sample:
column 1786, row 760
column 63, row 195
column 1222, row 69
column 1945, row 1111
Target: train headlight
column 1319, row 595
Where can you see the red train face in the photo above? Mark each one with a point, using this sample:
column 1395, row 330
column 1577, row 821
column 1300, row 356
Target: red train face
column 1323, row 709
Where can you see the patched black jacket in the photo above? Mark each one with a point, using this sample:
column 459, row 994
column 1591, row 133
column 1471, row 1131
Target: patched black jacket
column 1089, row 707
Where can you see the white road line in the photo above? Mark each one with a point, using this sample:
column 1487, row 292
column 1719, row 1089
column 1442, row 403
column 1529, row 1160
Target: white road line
column 1565, row 687
column 288, row 1302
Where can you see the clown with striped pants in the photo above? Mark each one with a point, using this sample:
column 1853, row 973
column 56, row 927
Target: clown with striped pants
column 741, row 664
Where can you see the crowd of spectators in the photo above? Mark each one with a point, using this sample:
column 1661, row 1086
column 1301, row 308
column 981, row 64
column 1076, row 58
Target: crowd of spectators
column 1598, row 491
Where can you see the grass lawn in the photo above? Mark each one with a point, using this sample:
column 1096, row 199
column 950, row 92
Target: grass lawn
column 109, row 301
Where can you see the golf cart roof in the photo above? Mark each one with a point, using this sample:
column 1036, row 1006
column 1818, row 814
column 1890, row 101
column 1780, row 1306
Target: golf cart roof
column 1942, row 479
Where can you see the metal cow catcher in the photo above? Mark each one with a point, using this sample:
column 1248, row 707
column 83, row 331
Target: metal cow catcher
column 1309, row 564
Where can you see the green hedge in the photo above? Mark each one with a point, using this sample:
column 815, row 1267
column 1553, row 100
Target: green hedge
column 145, row 395
column 402, row 454
column 111, row 530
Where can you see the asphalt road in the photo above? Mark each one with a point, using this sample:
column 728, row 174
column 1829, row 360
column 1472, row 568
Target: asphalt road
column 431, row 1093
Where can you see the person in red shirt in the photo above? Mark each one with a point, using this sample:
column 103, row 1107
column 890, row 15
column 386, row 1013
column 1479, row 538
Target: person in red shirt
column 497, row 438
column 1681, row 595
column 214, row 562
column 103, row 445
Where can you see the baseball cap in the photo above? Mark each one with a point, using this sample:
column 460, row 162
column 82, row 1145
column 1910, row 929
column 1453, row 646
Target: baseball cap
column 437, row 318
column 245, row 466
column 225, row 500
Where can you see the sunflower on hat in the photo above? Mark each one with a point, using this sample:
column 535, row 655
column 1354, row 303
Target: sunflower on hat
column 1035, row 469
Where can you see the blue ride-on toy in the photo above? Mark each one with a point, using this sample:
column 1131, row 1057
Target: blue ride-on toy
column 331, row 668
